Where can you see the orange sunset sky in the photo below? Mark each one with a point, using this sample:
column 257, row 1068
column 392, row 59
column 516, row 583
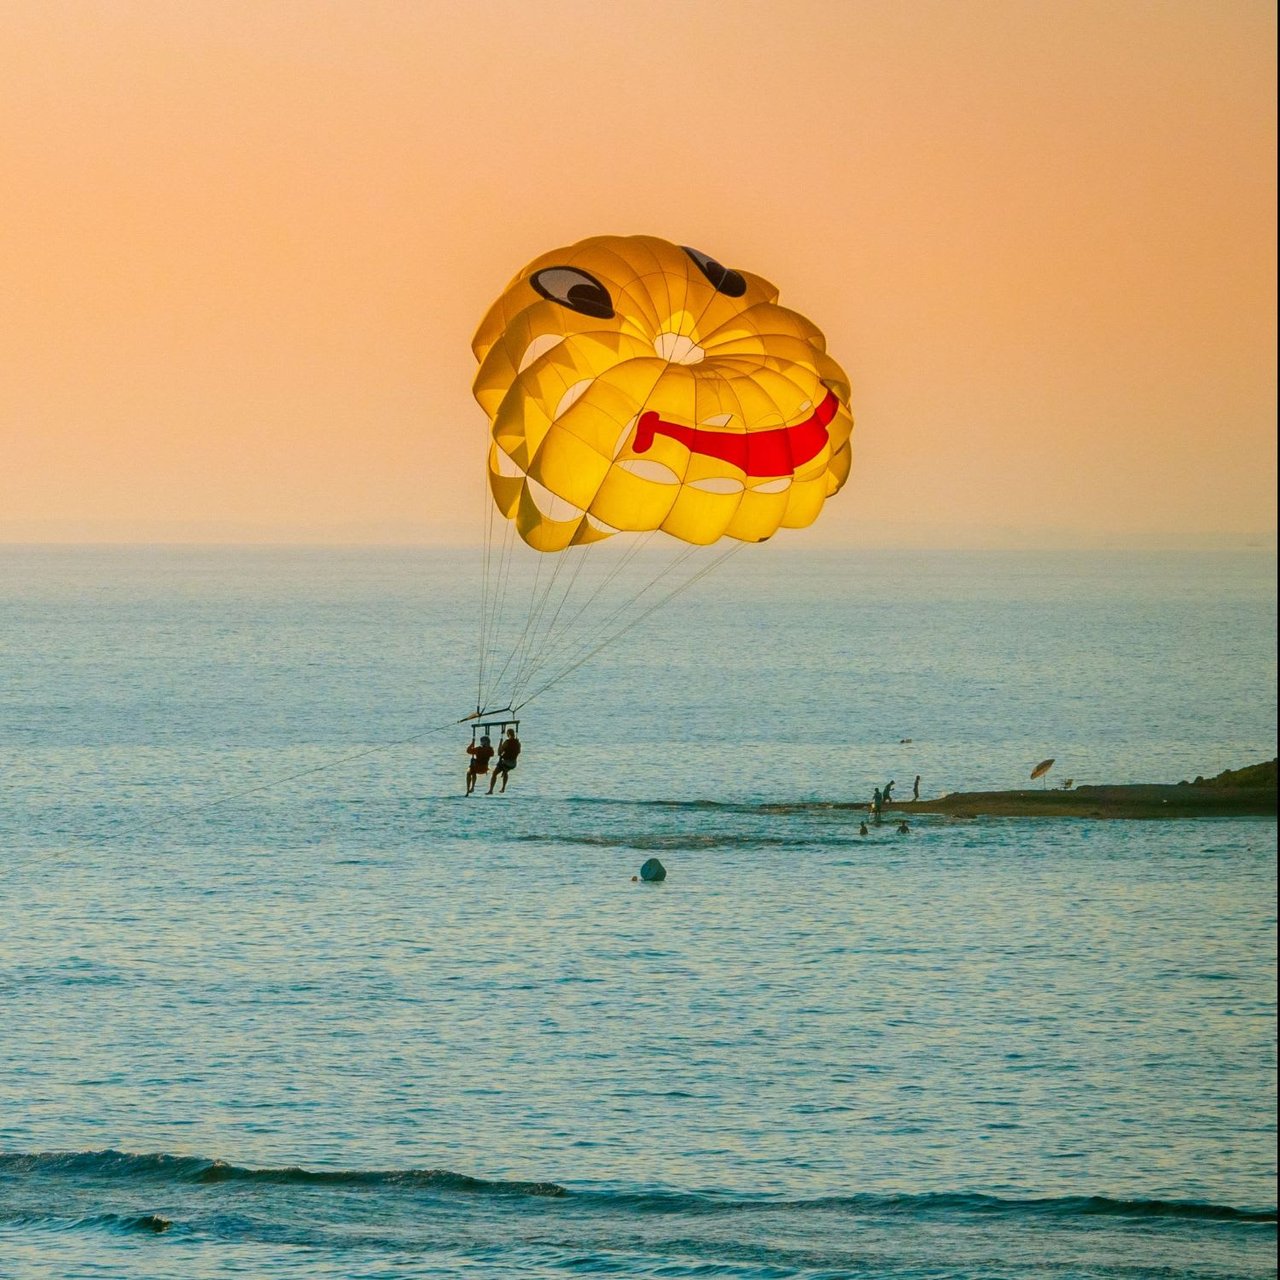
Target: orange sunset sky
column 244, row 246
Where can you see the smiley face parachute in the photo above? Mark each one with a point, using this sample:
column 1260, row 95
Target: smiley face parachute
column 637, row 387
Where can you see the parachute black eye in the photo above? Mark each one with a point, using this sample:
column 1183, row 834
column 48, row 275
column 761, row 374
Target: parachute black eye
column 726, row 281
column 574, row 289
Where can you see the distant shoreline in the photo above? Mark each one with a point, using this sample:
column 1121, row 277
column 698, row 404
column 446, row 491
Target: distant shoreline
column 1249, row 792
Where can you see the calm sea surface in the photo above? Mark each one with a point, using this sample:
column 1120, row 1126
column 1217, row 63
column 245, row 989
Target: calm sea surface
column 277, row 1000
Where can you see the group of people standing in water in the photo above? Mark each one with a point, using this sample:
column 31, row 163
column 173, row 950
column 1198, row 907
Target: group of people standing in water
column 904, row 828
column 883, row 796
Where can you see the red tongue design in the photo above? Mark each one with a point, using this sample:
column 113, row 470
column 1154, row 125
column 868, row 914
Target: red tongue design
column 777, row 452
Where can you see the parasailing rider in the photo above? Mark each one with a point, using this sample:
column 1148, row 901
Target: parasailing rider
column 508, row 751
column 481, row 753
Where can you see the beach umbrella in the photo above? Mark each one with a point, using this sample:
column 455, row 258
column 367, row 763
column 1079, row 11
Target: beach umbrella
column 1041, row 769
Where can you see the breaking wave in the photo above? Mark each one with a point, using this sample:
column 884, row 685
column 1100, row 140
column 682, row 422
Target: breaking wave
column 122, row 1167
column 119, row 1165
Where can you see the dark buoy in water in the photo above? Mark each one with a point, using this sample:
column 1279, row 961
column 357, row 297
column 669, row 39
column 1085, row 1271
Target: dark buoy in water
column 653, row 871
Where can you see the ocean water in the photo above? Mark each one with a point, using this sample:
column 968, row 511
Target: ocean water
column 276, row 999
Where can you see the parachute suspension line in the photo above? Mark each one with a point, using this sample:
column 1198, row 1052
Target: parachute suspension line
column 557, row 656
column 543, row 655
column 518, row 647
column 568, row 591
column 631, row 600
column 553, row 636
column 508, row 562
column 529, row 649
column 537, row 646
column 496, row 593
column 553, row 649
column 496, row 569
column 486, row 525
column 491, row 590
column 657, row 604
column 604, row 631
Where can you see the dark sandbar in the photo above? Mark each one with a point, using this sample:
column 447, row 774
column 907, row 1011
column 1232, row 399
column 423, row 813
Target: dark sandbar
column 1233, row 793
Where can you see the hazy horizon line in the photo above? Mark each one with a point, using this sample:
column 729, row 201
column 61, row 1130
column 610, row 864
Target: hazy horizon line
column 1038, row 540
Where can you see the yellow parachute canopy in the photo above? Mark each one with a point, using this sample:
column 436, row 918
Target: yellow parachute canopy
column 633, row 385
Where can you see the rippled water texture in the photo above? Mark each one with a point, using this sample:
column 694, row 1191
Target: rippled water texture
column 354, row 1025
